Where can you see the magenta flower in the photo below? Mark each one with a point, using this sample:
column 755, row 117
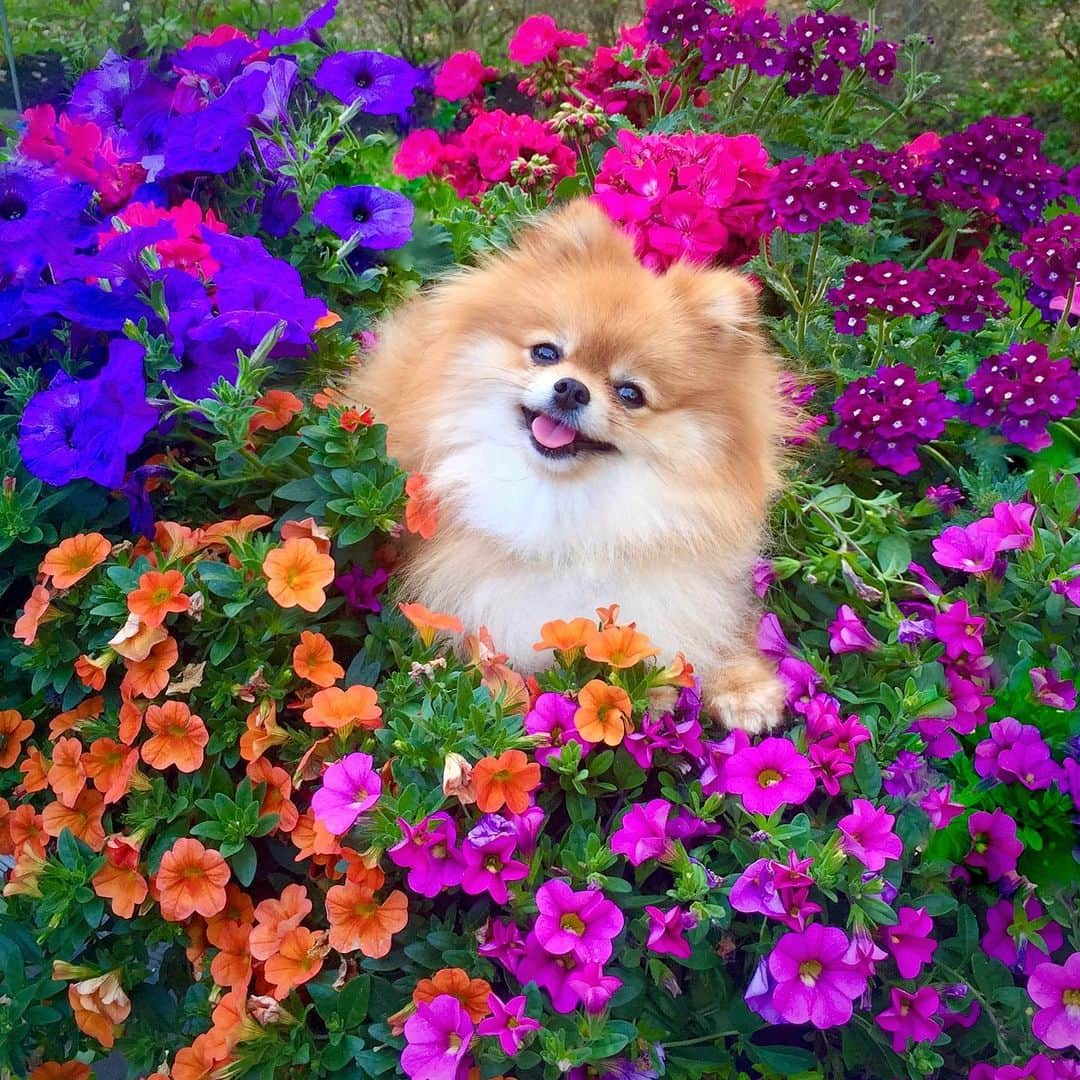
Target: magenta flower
column 1008, row 934
column 642, row 833
column 553, row 717
column 939, row 807
column 1014, row 525
column 437, row 1038
column 582, row 924
column 1055, row 988
column 911, row 940
column 994, row 845
column 769, row 775
column 429, row 852
column 349, row 787
column 1048, row 688
column 550, row 973
column 971, row 548
column 759, row 992
column 814, row 982
column 848, row 633
column 959, row 631
column 488, row 866
column 538, row 38
column 508, row 1022
column 666, row 930
column 527, row 827
column 911, row 1017
column 868, row 835
column 864, row 953
column 500, row 940
column 593, row 988
column 462, row 75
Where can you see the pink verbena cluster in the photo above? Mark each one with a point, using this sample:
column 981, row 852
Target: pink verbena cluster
column 694, row 196
column 496, row 147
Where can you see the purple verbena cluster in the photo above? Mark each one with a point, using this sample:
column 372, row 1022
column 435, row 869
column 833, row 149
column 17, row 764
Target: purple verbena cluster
column 1051, row 258
column 1021, row 391
column 888, row 415
column 805, row 195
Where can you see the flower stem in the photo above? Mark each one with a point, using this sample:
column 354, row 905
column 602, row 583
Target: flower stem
column 804, row 308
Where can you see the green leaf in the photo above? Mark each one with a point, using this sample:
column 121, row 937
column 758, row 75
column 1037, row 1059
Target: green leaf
column 893, row 555
column 867, row 772
column 244, row 863
column 353, row 1001
column 785, row 1060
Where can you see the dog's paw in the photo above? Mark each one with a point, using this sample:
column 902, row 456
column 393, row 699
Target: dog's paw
column 750, row 700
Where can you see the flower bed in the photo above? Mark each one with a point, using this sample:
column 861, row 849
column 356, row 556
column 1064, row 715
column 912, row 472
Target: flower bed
column 261, row 819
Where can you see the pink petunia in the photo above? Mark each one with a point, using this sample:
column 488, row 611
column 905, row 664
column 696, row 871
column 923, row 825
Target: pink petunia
column 437, row 1039
column 666, row 930
column 911, row 940
column 868, row 835
column 582, row 924
column 994, row 846
column 1055, row 989
column 642, row 834
column 814, row 982
column 848, row 633
column 349, row 787
column 911, row 1017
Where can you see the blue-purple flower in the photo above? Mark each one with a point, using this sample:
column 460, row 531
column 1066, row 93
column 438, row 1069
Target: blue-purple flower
column 382, row 84
column 378, row 219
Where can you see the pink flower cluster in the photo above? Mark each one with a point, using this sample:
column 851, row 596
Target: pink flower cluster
column 463, row 75
column 777, row 890
column 694, row 196
column 539, row 39
column 497, row 147
column 77, row 150
column 1016, row 753
column 616, row 87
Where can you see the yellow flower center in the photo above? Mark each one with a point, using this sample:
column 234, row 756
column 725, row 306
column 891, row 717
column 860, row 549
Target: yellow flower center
column 572, row 924
column 160, row 595
column 1071, row 998
column 768, row 777
column 453, row 1041
column 809, row 971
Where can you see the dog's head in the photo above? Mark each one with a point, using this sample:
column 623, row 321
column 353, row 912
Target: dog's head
column 585, row 399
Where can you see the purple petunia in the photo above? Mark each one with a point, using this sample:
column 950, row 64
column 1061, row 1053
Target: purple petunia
column 488, row 865
column 1016, row 753
column 437, row 1038
column 508, row 1023
column 868, row 835
column 666, row 930
column 553, row 718
column 86, row 428
column 308, row 30
column 361, row 591
column 1009, row 931
column 911, row 1017
column 804, row 195
column 372, row 217
column 430, row 853
column 994, row 846
column 848, row 633
column 769, row 775
column 1051, row 259
column 382, row 85
column 888, row 415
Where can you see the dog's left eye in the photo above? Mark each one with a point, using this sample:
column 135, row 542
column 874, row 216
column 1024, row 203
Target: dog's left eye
column 630, row 395
column 546, row 353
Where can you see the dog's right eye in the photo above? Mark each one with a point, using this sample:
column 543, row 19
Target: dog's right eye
column 546, row 353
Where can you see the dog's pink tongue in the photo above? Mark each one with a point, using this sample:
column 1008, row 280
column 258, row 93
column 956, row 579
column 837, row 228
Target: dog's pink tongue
column 550, row 433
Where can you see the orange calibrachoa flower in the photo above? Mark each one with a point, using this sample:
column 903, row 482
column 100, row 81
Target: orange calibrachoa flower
column 135, row 639
column 61, row 1070
column 429, row 623
column 608, row 615
column 421, row 508
column 313, row 659
column 312, row 839
column 238, row 907
column 88, row 709
column 275, row 918
column 603, row 713
column 26, row 828
column 505, row 780
column 26, row 625
column 232, row 965
column 297, row 574
column 72, row 559
column 67, row 774
column 147, row 678
column 472, row 993
column 238, row 529
column 298, row 959
column 119, row 880
column 276, row 410
column 14, row 731
column 276, row 798
column 109, row 765
column 307, row 529
column 131, row 714
column 351, row 419
column 178, row 737
column 200, row 1060
column 262, row 732
column 160, row 593
column 34, row 768
column 339, row 709
column 100, row 1006
column 191, row 878
column 620, row 646
column 566, row 638
column 177, row 541
column 83, row 819
column 359, row 921
column 92, row 670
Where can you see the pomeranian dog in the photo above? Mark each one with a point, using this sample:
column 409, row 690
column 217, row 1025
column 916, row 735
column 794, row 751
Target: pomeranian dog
column 594, row 433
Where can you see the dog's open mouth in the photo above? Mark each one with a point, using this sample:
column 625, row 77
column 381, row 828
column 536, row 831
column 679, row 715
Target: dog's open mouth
column 554, row 439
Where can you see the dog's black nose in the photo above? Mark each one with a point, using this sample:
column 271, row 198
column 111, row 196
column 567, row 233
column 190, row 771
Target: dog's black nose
column 569, row 394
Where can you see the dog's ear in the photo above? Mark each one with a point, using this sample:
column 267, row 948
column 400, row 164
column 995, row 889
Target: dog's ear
column 579, row 229
column 723, row 297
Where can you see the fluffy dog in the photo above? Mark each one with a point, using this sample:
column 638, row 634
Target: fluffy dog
column 594, row 433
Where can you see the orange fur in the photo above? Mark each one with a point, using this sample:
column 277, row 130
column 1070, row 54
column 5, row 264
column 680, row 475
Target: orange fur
column 667, row 525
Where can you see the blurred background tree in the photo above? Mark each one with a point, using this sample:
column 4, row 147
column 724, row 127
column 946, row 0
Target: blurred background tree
column 992, row 56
